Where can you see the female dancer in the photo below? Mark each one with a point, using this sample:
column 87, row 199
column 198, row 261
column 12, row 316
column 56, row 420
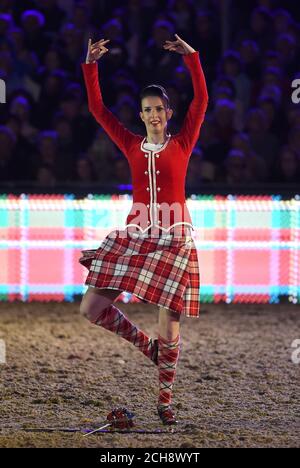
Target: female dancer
column 155, row 257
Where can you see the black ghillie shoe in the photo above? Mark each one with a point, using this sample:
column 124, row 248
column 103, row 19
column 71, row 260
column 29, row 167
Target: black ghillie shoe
column 154, row 356
column 166, row 415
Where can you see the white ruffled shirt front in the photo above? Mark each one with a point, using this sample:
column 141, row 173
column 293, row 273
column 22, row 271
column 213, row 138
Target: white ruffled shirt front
column 153, row 146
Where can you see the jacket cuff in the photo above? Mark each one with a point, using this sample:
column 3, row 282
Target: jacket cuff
column 88, row 65
column 189, row 58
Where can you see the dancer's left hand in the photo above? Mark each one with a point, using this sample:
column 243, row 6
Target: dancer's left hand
column 179, row 46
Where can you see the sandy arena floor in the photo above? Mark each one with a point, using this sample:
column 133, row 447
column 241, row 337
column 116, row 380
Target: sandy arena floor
column 236, row 384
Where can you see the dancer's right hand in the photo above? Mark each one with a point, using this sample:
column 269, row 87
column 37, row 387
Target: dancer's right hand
column 96, row 50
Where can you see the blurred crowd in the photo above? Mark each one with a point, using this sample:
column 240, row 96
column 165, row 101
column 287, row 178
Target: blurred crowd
column 251, row 133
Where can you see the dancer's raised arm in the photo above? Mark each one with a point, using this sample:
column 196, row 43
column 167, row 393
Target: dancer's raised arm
column 120, row 135
column 189, row 132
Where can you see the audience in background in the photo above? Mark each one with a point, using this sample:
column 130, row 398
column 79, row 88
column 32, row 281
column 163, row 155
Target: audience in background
column 251, row 132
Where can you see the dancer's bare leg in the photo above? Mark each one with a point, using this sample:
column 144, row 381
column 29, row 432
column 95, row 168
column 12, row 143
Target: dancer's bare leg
column 168, row 323
column 95, row 300
column 97, row 307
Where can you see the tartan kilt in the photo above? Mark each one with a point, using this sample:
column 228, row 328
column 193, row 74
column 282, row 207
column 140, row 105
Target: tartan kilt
column 162, row 270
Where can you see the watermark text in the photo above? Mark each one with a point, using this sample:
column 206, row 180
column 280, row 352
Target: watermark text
column 2, row 92
column 2, row 352
column 296, row 353
column 296, row 92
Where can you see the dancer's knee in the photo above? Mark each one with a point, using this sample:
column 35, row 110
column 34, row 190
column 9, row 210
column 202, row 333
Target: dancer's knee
column 85, row 309
column 169, row 315
column 90, row 313
column 92, row 305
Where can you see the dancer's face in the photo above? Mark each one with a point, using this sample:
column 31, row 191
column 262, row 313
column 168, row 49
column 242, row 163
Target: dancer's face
column 155, row 115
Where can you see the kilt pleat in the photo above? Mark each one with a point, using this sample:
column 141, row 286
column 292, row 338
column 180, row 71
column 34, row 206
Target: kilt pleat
column 163, row 270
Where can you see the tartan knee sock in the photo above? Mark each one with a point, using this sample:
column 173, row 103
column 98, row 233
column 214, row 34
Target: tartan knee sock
column 168, row 353
column 111, row 318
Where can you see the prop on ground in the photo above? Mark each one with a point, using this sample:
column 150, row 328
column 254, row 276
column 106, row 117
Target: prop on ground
column 118, row 420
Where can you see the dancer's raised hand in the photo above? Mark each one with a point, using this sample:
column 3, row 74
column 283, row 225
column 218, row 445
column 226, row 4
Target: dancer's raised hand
column 96, row 50
column 179, row 46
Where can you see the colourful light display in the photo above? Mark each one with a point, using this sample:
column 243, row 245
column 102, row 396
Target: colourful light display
column 248, row 246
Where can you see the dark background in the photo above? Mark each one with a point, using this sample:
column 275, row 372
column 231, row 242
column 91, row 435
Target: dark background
column 250, row 55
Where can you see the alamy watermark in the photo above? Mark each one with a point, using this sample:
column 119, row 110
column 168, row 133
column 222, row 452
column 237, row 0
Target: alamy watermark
column 2, row 352
column 2, row 92
column 296, row 92
column 163, row 216
column 296, row 354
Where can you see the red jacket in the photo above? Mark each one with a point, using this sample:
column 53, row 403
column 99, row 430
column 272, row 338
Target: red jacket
column 158, row 177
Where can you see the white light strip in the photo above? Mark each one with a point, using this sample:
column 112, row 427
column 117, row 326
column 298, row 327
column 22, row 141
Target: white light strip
column 274, row 253
column 294, row 280
column 88, row 232
column 23, row 245
column 69, row 253
column 78, row 288
column 229, row 250
column 205, row 244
